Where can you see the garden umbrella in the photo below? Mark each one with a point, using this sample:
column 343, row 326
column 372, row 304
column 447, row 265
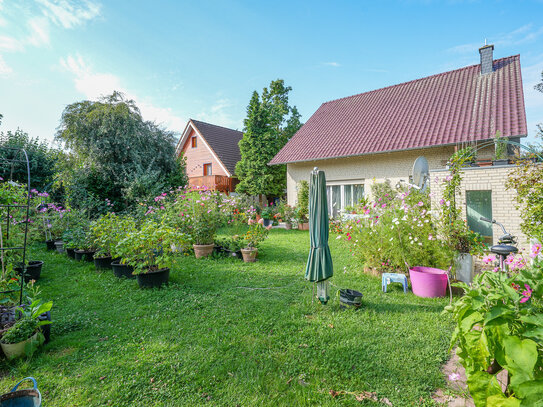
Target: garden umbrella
column 319, row 263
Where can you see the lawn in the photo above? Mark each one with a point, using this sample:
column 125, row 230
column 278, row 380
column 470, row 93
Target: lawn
column 230, row 333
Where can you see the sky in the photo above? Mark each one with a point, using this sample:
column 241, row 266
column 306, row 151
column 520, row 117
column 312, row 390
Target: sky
column 203, row 59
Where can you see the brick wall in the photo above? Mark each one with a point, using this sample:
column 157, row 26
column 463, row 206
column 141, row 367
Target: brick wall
column 366, row 169
column 503, row 203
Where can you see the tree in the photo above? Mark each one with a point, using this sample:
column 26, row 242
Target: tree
column 41, row 157
column 539, row 87
column 270, row 123
column 115, row 154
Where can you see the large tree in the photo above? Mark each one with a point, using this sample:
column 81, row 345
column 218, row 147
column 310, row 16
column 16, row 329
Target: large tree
column 41, row 157
column 270, row 123
column 115, row 154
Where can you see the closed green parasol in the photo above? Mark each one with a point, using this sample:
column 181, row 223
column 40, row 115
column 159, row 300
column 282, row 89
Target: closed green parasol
column 319, row 263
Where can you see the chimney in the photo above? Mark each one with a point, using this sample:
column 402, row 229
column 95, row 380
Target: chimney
column 486, row 53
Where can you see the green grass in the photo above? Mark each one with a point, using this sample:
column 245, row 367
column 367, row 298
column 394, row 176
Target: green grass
column 212, row 338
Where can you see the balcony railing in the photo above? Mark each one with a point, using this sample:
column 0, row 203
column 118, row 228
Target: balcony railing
column 215, row 182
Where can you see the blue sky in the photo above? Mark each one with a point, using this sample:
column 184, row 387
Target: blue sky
column 203, row 59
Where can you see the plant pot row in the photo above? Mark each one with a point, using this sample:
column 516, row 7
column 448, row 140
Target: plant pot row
column 145, row 280
column 248, row 255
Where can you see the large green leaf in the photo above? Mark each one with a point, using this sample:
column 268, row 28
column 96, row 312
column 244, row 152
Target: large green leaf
column 482, row 386
column 535, row 333
column 533, row 319
column 470, row 319
column 502, row 401
column 531, row 393
column 476, row 344
column 520, row 359
column 497, row 311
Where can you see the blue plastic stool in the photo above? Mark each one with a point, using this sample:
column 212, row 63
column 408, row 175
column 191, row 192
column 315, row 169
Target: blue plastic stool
column 394, row 278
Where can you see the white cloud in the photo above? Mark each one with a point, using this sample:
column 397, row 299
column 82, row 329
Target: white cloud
column 10, row 44
column 39, row 31
column 69, row 14
column 334, row 64
column 218, row 114
column 93, row 85
column 521, row 35
column 5, row 70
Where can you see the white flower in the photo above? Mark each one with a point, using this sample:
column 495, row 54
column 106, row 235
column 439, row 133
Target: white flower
column 339, row 237
column 391, row 239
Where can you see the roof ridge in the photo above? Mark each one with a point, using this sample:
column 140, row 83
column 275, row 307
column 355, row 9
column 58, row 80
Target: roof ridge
column 215, row 125
column 418, row 79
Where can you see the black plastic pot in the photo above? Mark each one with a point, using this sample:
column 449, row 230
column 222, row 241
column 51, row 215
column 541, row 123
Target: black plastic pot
column 33, row 270
column 153, row 279
column 70, row 253
column 50, row 244
column 122, row 270
column 267, row 222
column 350, row 298
column 46, row 329
column 84, row 255
column 103, row 263
column 501, row 161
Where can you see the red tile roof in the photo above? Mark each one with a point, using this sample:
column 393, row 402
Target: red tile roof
column 448, row 108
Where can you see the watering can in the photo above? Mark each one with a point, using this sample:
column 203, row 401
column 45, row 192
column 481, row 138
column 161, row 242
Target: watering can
column 22, row 398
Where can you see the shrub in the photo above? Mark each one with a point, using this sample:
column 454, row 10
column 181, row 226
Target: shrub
column 500, row 326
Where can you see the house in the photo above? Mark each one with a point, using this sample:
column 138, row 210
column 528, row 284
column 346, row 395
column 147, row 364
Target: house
column 211, row 154
column 376, row 136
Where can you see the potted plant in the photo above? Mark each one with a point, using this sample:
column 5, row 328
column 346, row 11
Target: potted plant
column 285, row 213
column 256, row 234
column 123, row 226
column 32, row 270
column 500, row 150
column 267, row 215
column 25, row 335
column 204, row 226
column 82, row 239
column 103, row 233
column 302, row 210
column 149, row 251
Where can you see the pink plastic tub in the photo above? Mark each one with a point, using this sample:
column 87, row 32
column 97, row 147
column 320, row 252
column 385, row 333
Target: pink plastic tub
column 428, row 281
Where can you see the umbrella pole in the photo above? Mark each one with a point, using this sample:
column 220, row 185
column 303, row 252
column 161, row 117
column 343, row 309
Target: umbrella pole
column 313, row 295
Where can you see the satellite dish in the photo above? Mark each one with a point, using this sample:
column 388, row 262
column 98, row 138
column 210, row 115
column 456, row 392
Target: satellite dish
column 421, row 173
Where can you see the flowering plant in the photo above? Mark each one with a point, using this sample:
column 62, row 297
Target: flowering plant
column 256, row 234
column 395, row 230
column 109, row 230
column 150, row 247
column 499, row 326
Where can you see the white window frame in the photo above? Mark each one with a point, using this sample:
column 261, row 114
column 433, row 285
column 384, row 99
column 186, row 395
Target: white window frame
column 342, row 184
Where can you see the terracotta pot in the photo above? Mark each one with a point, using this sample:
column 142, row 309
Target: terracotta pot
column 303, row 226
column 249, row 255
column 202, row 250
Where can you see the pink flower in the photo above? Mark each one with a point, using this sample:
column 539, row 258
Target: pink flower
column 448, row 178
column 442, row 201
column 383, row 205
column 510, row 259
column 527, row 293
column 420, row 203
column 536, row 249
column 489, row 259
column 454, row 377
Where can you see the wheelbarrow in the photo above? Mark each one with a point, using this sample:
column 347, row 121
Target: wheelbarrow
column 22, row 398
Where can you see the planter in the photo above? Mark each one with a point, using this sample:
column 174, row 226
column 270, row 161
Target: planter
column 33, row 270
column 23, row 398
column 484, row 163
column 70, row 253
column 122, row 270
column 59, row 245
column 428, row 281
column 103, row 263
column 15, row 350
column 202, row 250
column 503, row 161
column 267, row 222
column 50, row 244
column 464, row 267
column 249, row 255
column 350, row 298
column 153, row 279
column 303, row 226
column 84, row 255
column 288, row 225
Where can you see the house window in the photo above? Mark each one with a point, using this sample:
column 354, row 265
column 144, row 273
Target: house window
column 207, row 169
column 341, row 196
column 479, row 203
column 193, row 142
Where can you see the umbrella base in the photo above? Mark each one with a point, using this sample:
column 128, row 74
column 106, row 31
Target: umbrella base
column 323, row 288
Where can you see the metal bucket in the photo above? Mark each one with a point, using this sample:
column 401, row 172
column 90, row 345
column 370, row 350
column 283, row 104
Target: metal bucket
column 22, row 398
